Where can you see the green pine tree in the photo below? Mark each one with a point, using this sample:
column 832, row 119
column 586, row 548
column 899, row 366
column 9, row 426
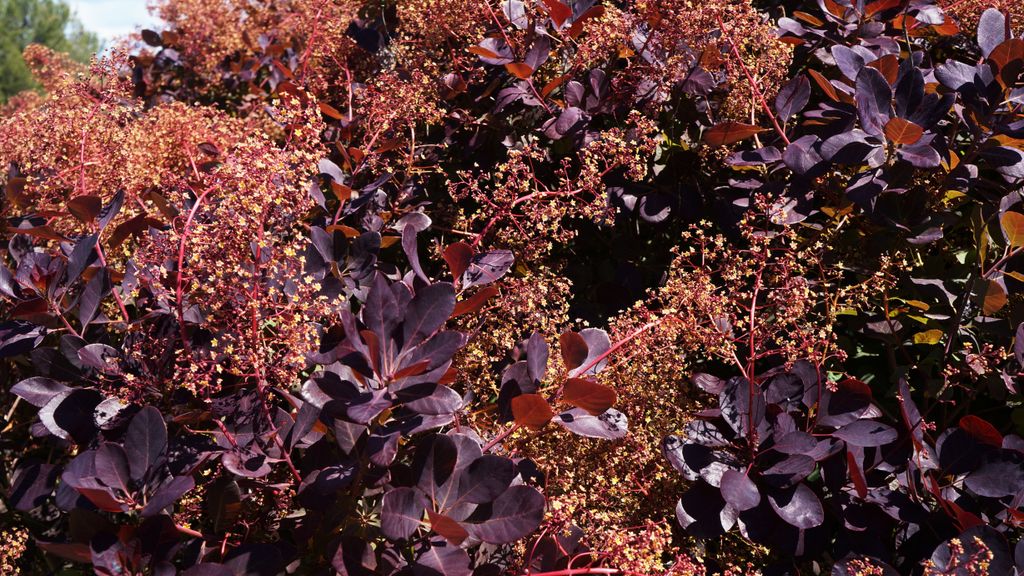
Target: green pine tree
column 47, row 22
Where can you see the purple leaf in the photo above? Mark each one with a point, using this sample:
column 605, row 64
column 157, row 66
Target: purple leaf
column 735, row 402
column 37, row 390
column 537, row 356
column 245, row 463
column 100, row 357
column 401, row 513
column 380, row 312
column 793, row 97
column 789, row 471
column 429, row 399
column 874, row 100
column 83, row 254
column 798, row 506
column 442, row 559
column 610, row 425
column 991, row 31
column 112, row 468
column 487, row 267
column 866, row 433
column 739, row 491
column 850, row 63
column 708, row 383
column 597, row 344
column 68, row 415
column 1000, row 474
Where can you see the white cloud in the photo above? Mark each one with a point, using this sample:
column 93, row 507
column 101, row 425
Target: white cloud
column 112, row 18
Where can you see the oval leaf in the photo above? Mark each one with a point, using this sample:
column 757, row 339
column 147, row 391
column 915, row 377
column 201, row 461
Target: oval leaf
column 531, row 410
column 591, row 396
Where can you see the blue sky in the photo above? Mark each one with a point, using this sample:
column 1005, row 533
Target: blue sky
column 112, row 18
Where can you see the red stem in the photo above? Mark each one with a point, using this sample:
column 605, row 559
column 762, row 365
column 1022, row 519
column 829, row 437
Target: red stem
column 750, row 78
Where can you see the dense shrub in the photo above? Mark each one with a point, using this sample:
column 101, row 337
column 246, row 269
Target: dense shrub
column 453, row 287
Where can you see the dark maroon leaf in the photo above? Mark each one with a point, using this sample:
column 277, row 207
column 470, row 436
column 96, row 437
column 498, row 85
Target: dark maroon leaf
column 458, row 257
column 355, row 557
column 428, row 310
column 68, row 415
column 32, row 484
column 703, row 513
column 573, row 348
column 208, row 569
column 514, row 514
column 145, row 442
column 486, row 478
column 167, row 495
column 83, row 254
column 152, row 38
column 222, row 503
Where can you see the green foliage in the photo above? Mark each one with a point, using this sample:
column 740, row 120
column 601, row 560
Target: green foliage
column 47, row 22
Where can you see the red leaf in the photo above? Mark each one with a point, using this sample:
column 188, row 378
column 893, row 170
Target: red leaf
column 577, row 26
column 451, row 530
column 574, row 349
column 531, row 411
column 559, row 12
column 856, row 475
column 591, row 396
column 903, row 131
column 520, row 70
column 481, row 51
column 993, row 299
column 475, row 302
column 417, row 368
column 458, row 256
column 329, row 110
column 888, row 65
column 730, row 132
column 824, row 84
column 981, row 430
column 1013, row 227
column 85, row 208
column 550, row 86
